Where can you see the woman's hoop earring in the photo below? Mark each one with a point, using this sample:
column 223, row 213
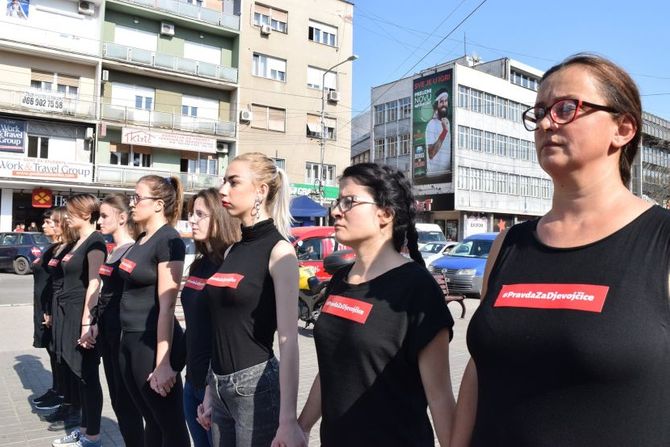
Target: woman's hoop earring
column 256, row 210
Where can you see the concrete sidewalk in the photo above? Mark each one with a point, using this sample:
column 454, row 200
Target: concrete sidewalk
column 24, row 374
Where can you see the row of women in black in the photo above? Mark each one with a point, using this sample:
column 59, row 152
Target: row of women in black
column 242, row 293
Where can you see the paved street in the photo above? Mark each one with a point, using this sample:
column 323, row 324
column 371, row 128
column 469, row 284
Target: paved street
column 24, row 370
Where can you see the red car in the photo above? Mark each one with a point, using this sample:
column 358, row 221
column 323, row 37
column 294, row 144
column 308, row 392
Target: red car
column 312, row 245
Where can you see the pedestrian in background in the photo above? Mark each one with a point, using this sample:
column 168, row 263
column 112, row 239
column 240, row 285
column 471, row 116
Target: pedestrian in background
column 251, row 397
column 152, row 270
column 382, row 339
column 116, row 219
column 214, row 231
column 570, row 342
column 79, row 296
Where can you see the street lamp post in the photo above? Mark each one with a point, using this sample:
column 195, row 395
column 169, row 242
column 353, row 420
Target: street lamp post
column 322, row 140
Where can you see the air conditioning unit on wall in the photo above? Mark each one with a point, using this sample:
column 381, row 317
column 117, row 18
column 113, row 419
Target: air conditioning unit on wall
column 246, row 115
column 333, row 96
column 266, row 30
column 167, row 29
column 86, row 8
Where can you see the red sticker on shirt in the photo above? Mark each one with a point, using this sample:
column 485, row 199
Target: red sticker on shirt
column 54, row 262
column 348, row 308
column 127, row 265
column 584, row 297
column 67, row 257
column 106, row 270
column 195, row 283
column 231, row 280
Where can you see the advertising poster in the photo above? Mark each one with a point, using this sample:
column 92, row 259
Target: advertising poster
column 19, row 9
column 432, row 140
column 12, row 135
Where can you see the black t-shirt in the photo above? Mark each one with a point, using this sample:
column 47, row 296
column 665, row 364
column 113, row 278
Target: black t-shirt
column 241, row 296
column 112, row 288
column 139, row 271
column 572, row 345
column 198, row 322
column 55, row 269
column 42, row 286
column 368, row 339
column 75, row 268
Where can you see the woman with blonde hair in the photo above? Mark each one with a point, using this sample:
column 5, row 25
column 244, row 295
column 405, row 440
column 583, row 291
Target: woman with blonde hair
column 81, row 284
column 214, row 230
column 251, row 397
column 115, row 219
column 150, row 334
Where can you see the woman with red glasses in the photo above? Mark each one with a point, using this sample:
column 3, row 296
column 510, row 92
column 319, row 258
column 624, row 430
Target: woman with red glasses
column 570, row 342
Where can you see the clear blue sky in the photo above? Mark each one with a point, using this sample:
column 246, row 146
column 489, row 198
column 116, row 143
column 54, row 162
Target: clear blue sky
column 390, row 36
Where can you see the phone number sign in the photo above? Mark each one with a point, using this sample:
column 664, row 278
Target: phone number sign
column 41, row 101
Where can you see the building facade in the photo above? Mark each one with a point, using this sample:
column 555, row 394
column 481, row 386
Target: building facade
column 286, row 52
column 96, row 94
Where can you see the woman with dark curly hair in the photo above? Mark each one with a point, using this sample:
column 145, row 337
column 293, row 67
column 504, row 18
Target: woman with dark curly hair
column 382, row 339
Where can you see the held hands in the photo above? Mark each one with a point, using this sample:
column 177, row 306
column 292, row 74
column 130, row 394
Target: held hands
column 162, row 379
column 205, row 411
column 89, row 332
column 289, row 434
column 46, row 320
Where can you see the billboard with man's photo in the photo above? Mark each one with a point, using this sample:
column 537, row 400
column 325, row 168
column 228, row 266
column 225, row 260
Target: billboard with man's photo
column 432, row 139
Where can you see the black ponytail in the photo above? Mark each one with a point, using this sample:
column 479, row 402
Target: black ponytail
column 391, row 189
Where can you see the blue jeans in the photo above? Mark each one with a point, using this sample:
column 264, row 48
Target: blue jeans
column 245, row 406
column 193, row 397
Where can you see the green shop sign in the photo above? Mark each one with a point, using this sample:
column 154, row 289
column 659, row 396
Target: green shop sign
column 305, row 189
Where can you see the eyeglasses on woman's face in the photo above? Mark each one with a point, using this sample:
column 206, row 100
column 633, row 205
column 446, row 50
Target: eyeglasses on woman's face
column 563, row 111
column 346, row 203
column 197, row 216
column 136, row 198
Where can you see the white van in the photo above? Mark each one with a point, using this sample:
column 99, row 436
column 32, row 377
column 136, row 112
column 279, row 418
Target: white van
column 429, row 232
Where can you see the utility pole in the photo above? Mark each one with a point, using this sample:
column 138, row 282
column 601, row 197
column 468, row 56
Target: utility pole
column 322, row 140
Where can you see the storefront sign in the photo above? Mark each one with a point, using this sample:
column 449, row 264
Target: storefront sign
column 12, row 135
column 43, row 101
column 305, row 189
column 474, row 225
column 42, row 198
column 39, row 168
column 168, row 140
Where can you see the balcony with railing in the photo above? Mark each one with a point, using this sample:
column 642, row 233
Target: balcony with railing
column 46, row 103
column 163, row 120
column 117, row 175
column 189, row 11
column 162, row 61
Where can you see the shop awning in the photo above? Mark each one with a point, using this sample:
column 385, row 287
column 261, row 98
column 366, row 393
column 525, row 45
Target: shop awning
column 303, row 206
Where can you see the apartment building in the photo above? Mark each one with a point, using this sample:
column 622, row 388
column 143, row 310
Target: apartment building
column 488, row 177
column 287, row 52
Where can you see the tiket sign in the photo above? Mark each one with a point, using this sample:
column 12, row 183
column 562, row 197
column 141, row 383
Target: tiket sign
column 168, row 140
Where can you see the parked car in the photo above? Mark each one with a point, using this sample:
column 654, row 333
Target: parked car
column 429, row 232
column 18, row 251
column 435, row 250
column 312, row 245
column 463, row 268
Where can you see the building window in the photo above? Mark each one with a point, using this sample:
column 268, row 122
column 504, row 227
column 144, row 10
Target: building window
column 269, row 67
column 405, row 108
column 379, row 149
column 124, row 155
column 404, row 144
column 501, row 183
column 280, row 162
column 268, row 118
column 489, row 104
column 501, row 142
column 314, row 127
column 313, row 173
column 489, row 142
column 38, row 147
column 392, row 144
column 476, row 140
column 144, row 102
column 476, row 101
column 463, row 137
column 54, row 83
column 513, row 184
column 463, row 93
column 463, row 176
column 189, row 111
column 322, row 33
column 524, row 80
column 392, row 111
column 315, row 77
column 380, row 114
column 523, row 185
column 275, row 18
column 197, row 163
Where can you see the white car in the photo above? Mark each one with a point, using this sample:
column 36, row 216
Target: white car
column 435, row 250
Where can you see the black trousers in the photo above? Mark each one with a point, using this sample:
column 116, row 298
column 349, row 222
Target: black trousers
column 87, row 391
column 165, row 425
column 129, row 417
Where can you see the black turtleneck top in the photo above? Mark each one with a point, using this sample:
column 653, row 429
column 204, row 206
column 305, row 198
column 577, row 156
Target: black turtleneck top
column 242, row 303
